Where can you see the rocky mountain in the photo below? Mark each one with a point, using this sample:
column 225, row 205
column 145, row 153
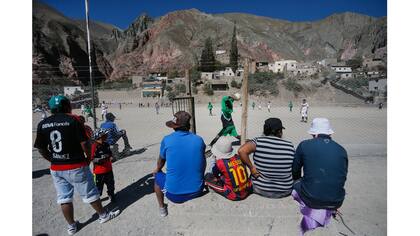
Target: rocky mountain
column 175, row 40
column 59, row 48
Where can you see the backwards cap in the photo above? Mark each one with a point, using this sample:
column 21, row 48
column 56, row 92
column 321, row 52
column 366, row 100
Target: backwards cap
column 56, row 102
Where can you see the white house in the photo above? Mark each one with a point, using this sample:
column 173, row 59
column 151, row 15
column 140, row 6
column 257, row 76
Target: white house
column 279, row 66
column 227, row 72
column 239, row 71
column 164, row 78
column 136, row 80
column 207, row 75
column 175, row 80
column 152, row 88
column 346, row 75
column 305, row 71
column 341, row 69
column 71, row 90
column 372, row 62
column 377, row 85
column 328, row 61
column 159, row 76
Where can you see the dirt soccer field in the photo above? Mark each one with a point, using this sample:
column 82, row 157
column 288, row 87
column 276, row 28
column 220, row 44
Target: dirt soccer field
column 361, row 130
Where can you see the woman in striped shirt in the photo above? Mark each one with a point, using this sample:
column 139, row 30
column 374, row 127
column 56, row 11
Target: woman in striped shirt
column 273, row 159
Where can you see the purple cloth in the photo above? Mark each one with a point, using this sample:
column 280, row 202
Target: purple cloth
column 312, row 218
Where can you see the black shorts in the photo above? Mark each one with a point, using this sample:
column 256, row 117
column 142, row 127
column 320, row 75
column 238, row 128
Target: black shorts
column 226, row 122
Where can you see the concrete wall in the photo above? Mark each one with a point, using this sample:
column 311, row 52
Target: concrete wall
column 70, row 90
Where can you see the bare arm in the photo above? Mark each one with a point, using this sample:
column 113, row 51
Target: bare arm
column 85, row 149
column 160, row 164
column 244, row 152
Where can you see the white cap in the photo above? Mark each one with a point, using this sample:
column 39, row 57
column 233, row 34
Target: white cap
column 320, row 126
column 222, row 149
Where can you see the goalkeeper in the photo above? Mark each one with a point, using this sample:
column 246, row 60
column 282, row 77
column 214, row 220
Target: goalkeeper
column 228, row 128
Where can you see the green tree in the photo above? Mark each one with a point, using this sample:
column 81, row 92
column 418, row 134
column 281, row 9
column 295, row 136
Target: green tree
column 263, row 83
column 208, row 89
column 234, row 55
column 195, row 75
column 292, row 85
column 170, row 95
column 355, row 63
column 180, row 88
column 194, row 90
column 235, row 84
column 168, row 88
column 220, row 66
column 173, row 74
column 208, row 61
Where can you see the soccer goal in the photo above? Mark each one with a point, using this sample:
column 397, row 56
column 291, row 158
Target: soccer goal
column 185, row 104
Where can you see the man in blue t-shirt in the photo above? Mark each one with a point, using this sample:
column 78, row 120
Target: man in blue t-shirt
column 114, row 133
column 183, row 152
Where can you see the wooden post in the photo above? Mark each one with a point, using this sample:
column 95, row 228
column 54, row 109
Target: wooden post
column 244, row 117
column 191, row 104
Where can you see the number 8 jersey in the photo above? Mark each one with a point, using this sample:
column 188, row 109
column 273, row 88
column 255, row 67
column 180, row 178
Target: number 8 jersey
column 61, row 134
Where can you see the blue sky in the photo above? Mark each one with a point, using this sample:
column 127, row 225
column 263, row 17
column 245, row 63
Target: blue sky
column 121, row 13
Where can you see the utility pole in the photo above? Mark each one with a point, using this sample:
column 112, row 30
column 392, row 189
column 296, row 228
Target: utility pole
column 92, row 85
column 188, row 81
column 244, row 117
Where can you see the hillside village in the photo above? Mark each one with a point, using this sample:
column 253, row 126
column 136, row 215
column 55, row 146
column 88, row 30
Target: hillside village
column 366, row 80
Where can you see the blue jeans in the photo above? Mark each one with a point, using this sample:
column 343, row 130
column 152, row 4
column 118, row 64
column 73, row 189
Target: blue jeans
column 80, row 179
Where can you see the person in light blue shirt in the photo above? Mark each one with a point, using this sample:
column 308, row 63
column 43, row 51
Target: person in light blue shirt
column 183, row 153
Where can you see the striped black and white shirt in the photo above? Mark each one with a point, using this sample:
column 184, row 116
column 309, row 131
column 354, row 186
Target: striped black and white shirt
column 273, row 159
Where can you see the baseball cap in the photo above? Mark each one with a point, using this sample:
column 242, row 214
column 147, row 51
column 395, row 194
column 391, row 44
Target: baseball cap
column 274, row 124
column 320, row 126
column 180, row 119
column 56, row 102
column 109, row 116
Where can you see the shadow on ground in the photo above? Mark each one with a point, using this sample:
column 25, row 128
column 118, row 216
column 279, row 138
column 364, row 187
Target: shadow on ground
column 128, row 196
column 39, row 173
column 134, row 192
column 131, row 153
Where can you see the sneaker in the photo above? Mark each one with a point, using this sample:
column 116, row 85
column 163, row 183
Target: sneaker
column 208, row 153
column 72, row 229
column 109, row 216
column 163, row 210
column 126, row 150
